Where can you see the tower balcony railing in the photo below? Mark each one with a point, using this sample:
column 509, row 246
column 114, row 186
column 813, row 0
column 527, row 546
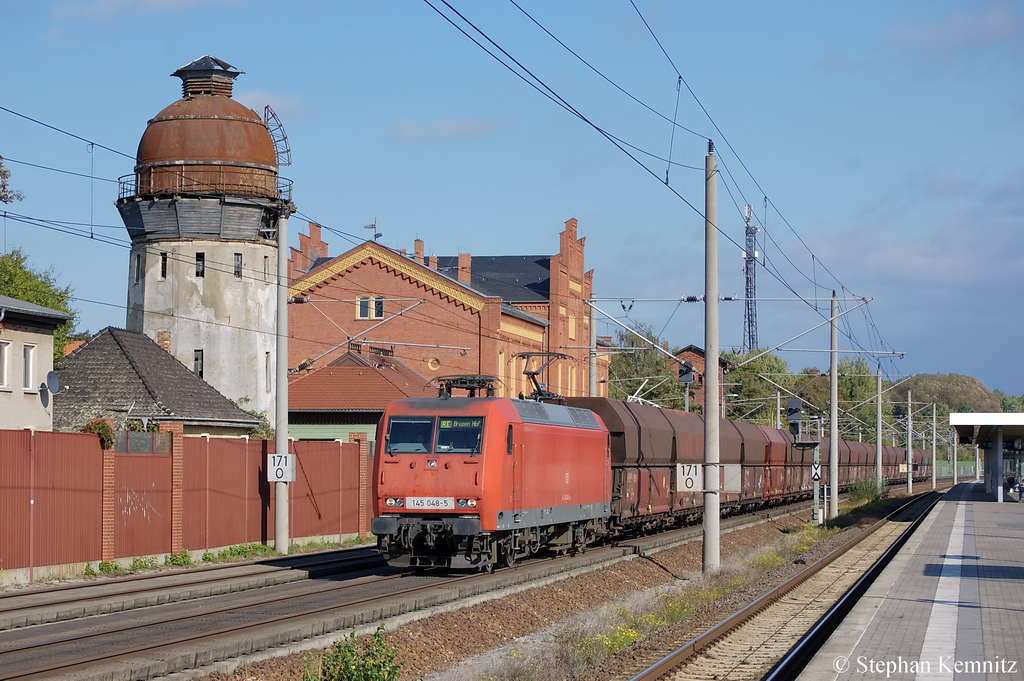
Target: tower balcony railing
column 224, row 181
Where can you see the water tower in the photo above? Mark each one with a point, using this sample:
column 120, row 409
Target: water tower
column 202, row 211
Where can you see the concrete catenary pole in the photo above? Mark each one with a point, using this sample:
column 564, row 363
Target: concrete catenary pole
column 282, row 538
column 593, row 352
column 712, row 553
column 935, row 434
column 910, row 445
column 878, row 428
column 833, row 414
column 953, row 454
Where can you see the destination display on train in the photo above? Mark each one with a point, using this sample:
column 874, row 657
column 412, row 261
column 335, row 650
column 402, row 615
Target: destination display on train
column 447, row 424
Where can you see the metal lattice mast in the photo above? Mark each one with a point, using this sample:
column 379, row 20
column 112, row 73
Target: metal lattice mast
column 750, row 293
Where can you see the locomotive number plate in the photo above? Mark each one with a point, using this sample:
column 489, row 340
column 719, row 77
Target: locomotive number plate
column 430, row 502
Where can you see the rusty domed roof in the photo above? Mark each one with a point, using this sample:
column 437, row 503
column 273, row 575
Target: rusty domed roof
column 207, row 126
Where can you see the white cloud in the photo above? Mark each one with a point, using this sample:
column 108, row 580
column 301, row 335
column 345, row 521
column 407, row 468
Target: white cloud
column 92, row 9
column 257, row 100
column 946, row 38
column 442, row 128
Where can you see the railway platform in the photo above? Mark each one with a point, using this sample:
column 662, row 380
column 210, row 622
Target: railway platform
column 950, row 605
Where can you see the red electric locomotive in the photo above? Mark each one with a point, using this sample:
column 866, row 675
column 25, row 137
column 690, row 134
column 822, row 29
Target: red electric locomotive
column 480, row 481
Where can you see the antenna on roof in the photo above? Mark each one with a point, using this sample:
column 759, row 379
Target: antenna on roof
column 376, row 234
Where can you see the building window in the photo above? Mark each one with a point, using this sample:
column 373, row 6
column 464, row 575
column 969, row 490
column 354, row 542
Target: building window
column 197, row 363
column 371, row 307
column 5, row 359
column 200, row 264
column 138, row 267
column 163, row 265
column 238, row 265
column 29, row 354
column 266, row 268
column 268, row 370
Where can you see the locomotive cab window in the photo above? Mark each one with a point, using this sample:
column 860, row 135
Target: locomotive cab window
column 409, row 435
column 460, row 435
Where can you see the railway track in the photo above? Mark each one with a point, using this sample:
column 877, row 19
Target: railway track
column 74, row 635
column 21, row 608
column 756, row 642
column 168, row 631
column 160, row 640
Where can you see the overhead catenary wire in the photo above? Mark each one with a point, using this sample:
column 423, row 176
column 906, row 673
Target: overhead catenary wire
column 848, row 331
column 549, row 92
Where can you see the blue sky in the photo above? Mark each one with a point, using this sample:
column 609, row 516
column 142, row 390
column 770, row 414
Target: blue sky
column 887, row 138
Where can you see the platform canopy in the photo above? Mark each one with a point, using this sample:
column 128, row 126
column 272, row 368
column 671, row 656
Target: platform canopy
column 977, row 429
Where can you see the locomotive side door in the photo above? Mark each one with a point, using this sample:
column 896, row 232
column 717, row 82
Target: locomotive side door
column 515, row 449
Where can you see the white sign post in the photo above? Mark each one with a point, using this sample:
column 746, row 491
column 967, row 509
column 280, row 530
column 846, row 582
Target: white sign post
column 689, row 477
column 280, row 468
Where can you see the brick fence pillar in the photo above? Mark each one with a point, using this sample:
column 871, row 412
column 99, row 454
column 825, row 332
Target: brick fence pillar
column 107, row 548
column 177, row 431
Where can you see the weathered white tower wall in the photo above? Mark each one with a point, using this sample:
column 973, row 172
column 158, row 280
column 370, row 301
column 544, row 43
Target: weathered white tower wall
column 219, row 322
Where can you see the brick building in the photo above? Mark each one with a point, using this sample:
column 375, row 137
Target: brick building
column 445, row 315
column 692, row 353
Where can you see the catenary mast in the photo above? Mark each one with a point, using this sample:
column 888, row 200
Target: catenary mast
column 750, row 292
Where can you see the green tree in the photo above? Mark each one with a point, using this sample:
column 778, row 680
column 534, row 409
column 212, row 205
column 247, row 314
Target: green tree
column 812, row 386
column 858, row 390
column 18, row 280
column 754, row 399
column 1010, row 403
column 643, row 371
column 950, row 392
column 7, row 195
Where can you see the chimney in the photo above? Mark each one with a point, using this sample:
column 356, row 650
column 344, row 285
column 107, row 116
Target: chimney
column 433, row 262
column 418, row 250
column 465, row 267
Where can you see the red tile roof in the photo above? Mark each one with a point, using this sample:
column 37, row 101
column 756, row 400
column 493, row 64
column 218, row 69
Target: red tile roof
column 355, row 388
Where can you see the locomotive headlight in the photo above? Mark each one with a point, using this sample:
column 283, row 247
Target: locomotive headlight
column 467, row 503
column 392, row 501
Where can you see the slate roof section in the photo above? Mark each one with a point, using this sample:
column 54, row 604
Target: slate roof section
column 116, row 370
column 354, row 382
column 525, row 316
column 514, row 278
column 23, row 308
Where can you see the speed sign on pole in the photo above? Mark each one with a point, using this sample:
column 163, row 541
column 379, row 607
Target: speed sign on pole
column 280, row 468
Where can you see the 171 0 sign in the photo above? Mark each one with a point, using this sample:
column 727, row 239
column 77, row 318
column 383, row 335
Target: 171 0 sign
column 280, row 468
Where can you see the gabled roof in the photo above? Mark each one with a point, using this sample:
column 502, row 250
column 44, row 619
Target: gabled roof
column 116, row 371
column 356, row 383
column 338, row 265
column 514, row 278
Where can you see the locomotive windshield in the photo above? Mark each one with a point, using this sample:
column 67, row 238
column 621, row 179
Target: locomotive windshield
column 409, row 435
column 459, row 435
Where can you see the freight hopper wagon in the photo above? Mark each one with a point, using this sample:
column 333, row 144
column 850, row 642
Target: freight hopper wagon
column 484, row 481
column 653, row 448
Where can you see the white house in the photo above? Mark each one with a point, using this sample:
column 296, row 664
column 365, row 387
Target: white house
column 26, row 357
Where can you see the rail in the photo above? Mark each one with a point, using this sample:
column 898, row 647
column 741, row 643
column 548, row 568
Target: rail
column 822, row 629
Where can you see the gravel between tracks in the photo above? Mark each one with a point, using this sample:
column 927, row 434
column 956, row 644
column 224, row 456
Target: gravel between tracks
column 475, row 636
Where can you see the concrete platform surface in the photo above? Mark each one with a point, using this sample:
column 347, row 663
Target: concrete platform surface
column 949, row 606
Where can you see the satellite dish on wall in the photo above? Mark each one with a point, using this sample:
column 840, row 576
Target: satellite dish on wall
column 52, row 382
